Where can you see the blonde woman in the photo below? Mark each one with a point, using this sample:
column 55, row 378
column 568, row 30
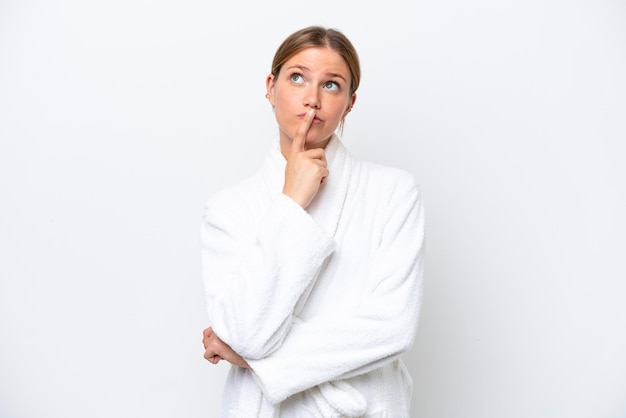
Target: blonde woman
column 313, row 266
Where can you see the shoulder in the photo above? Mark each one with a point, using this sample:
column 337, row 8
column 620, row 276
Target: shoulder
column 388, row 179
column 231, row 200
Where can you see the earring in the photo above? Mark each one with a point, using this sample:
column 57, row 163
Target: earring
column 267, row 95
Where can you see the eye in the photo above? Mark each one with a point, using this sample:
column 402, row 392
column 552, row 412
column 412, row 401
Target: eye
column 331, row 85
column 296, row 78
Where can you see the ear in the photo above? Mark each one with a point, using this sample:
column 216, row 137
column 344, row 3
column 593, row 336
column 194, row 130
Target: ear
column 269, row 88
column 349, row 108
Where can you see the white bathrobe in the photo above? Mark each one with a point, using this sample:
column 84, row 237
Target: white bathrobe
column 320, row 302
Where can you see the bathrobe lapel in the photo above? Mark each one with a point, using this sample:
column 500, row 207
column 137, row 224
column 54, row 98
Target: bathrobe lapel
column 328, row 204
column 332, row 398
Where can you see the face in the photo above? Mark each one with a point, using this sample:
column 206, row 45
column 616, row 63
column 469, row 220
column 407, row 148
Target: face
column 316, row 78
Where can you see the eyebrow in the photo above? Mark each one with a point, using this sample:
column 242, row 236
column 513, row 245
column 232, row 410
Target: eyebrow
column 303, row 68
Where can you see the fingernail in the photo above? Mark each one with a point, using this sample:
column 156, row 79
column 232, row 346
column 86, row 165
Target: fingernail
column 311, row 112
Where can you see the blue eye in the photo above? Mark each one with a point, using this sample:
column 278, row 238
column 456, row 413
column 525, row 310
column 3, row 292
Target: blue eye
column 296, row 78
column 331, row 85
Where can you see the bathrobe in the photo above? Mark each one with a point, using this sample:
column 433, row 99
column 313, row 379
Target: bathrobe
column 321, row 302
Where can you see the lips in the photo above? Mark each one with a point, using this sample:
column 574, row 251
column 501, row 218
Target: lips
column 316, row 120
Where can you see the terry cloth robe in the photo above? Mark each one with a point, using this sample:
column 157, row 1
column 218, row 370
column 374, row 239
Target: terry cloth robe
column 320, row 302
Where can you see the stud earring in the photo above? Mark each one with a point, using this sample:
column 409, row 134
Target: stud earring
column 267, row 95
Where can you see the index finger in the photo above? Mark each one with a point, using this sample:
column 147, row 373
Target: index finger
column 299, row 138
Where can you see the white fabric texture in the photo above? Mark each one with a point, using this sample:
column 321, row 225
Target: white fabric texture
column 320, row 302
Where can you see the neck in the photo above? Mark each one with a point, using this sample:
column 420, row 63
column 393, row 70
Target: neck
column 285, row 145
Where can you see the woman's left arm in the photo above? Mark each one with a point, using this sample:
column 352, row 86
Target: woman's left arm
column 216, row 350
column 343, row 344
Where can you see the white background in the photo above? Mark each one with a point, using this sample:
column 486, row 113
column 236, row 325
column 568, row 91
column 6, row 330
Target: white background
column 118, row 119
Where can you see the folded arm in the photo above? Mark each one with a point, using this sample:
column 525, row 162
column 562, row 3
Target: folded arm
column 255, row 271
column 347, row 343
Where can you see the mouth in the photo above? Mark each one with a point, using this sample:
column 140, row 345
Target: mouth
column 316, row 120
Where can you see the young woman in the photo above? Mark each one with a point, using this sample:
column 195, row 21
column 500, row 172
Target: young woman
column 313, row 267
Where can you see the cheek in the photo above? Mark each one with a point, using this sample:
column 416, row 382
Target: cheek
column 281, row 112
column 283, row 104
column 339, row 110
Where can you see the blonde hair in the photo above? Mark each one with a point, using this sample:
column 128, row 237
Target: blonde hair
column 318, row 36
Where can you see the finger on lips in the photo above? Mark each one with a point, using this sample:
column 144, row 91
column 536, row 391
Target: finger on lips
column 299, row 140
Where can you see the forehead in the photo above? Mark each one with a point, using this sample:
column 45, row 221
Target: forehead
column 319, row 59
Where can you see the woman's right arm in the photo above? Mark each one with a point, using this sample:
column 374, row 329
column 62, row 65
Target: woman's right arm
column 255, row 273
column 256, row 269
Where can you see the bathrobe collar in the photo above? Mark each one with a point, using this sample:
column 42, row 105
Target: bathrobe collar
column 328, row 204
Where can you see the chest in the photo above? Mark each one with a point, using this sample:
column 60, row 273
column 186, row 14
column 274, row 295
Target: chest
column 347, row 274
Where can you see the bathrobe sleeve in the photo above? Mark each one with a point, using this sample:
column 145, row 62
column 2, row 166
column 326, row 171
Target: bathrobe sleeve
column 256, row 267
column 346, row 343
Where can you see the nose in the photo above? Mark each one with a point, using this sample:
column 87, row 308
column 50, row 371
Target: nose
column 312, row 97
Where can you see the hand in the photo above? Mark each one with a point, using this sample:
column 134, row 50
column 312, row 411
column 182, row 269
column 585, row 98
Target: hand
column 216, row 350
column 306, row 170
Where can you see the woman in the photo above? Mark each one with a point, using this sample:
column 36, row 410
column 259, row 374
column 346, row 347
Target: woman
column 313, row 266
